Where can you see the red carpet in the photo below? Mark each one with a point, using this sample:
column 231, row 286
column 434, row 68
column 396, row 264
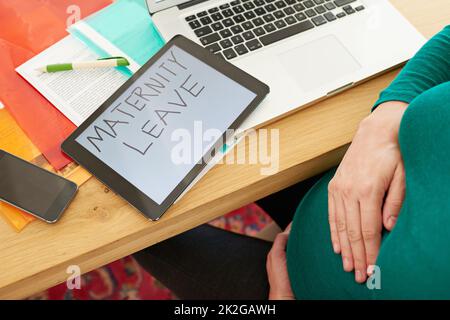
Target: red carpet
column 125, row 279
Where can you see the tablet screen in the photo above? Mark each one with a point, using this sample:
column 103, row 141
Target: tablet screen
column 162, row 125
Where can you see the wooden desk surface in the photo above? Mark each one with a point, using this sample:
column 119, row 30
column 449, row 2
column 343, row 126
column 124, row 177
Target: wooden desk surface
column 99, row 227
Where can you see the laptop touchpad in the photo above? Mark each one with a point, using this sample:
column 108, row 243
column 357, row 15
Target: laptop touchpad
column 319, row 62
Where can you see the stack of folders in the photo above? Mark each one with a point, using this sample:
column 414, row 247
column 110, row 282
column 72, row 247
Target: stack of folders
column 123, row 29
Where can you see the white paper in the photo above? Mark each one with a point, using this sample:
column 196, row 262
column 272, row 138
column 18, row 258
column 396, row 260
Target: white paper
column 77, row 94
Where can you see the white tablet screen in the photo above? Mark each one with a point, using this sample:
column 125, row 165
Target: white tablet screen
column 161, row 126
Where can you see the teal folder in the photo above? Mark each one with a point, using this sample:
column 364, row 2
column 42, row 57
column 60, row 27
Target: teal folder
column 127, row 25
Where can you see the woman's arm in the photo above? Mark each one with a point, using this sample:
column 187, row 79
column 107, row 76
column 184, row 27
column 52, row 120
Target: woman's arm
column 427, row 69
column 368, row 188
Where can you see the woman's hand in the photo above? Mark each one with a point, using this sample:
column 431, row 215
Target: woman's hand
column 280, row 286
column 367, row 190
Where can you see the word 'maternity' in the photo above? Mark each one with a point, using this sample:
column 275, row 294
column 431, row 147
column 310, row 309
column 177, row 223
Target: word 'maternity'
column 165, row 92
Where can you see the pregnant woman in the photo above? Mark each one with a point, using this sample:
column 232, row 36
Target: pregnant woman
column 384, row 212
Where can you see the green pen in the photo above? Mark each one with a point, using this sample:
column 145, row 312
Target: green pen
column 100, row 63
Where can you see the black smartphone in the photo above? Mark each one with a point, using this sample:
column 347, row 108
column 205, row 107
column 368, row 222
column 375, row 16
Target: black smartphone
column 32, row 189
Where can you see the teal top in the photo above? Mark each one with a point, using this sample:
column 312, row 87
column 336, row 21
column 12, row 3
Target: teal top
column 414, row 258
column 427, row 69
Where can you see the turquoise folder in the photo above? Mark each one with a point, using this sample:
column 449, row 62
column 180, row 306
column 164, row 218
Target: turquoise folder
column 127, row 25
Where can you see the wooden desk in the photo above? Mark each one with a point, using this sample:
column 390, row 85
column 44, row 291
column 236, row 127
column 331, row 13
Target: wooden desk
column 99, row 227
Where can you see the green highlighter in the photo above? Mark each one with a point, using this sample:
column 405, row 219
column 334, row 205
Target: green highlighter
column 80, row 65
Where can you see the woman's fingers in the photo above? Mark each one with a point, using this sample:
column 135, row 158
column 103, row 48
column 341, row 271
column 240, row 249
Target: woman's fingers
column 394, row 198
column 276, row 258
column 288, row 228
column 371, row 226
column 341, row 226
column 279, row 245
column 280, row 286
column 354, row 234
column 332, row 222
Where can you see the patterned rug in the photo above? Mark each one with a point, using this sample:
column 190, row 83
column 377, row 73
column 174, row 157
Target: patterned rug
column 125, row 279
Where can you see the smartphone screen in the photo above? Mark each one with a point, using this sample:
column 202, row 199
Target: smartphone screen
column 39, row 192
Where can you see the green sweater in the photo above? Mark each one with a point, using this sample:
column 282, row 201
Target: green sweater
column 429, row 68
column 414, row 258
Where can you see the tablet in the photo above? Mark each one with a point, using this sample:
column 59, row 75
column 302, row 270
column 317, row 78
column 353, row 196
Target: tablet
column 152, row 137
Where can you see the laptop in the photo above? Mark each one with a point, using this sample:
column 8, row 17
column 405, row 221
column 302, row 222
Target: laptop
column 305, row 50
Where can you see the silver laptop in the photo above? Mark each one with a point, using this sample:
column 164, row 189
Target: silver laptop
column 305, row 50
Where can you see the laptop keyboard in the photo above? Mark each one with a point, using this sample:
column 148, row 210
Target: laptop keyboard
column 241, row 26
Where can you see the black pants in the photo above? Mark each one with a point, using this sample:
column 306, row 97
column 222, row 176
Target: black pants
column 211, row 263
